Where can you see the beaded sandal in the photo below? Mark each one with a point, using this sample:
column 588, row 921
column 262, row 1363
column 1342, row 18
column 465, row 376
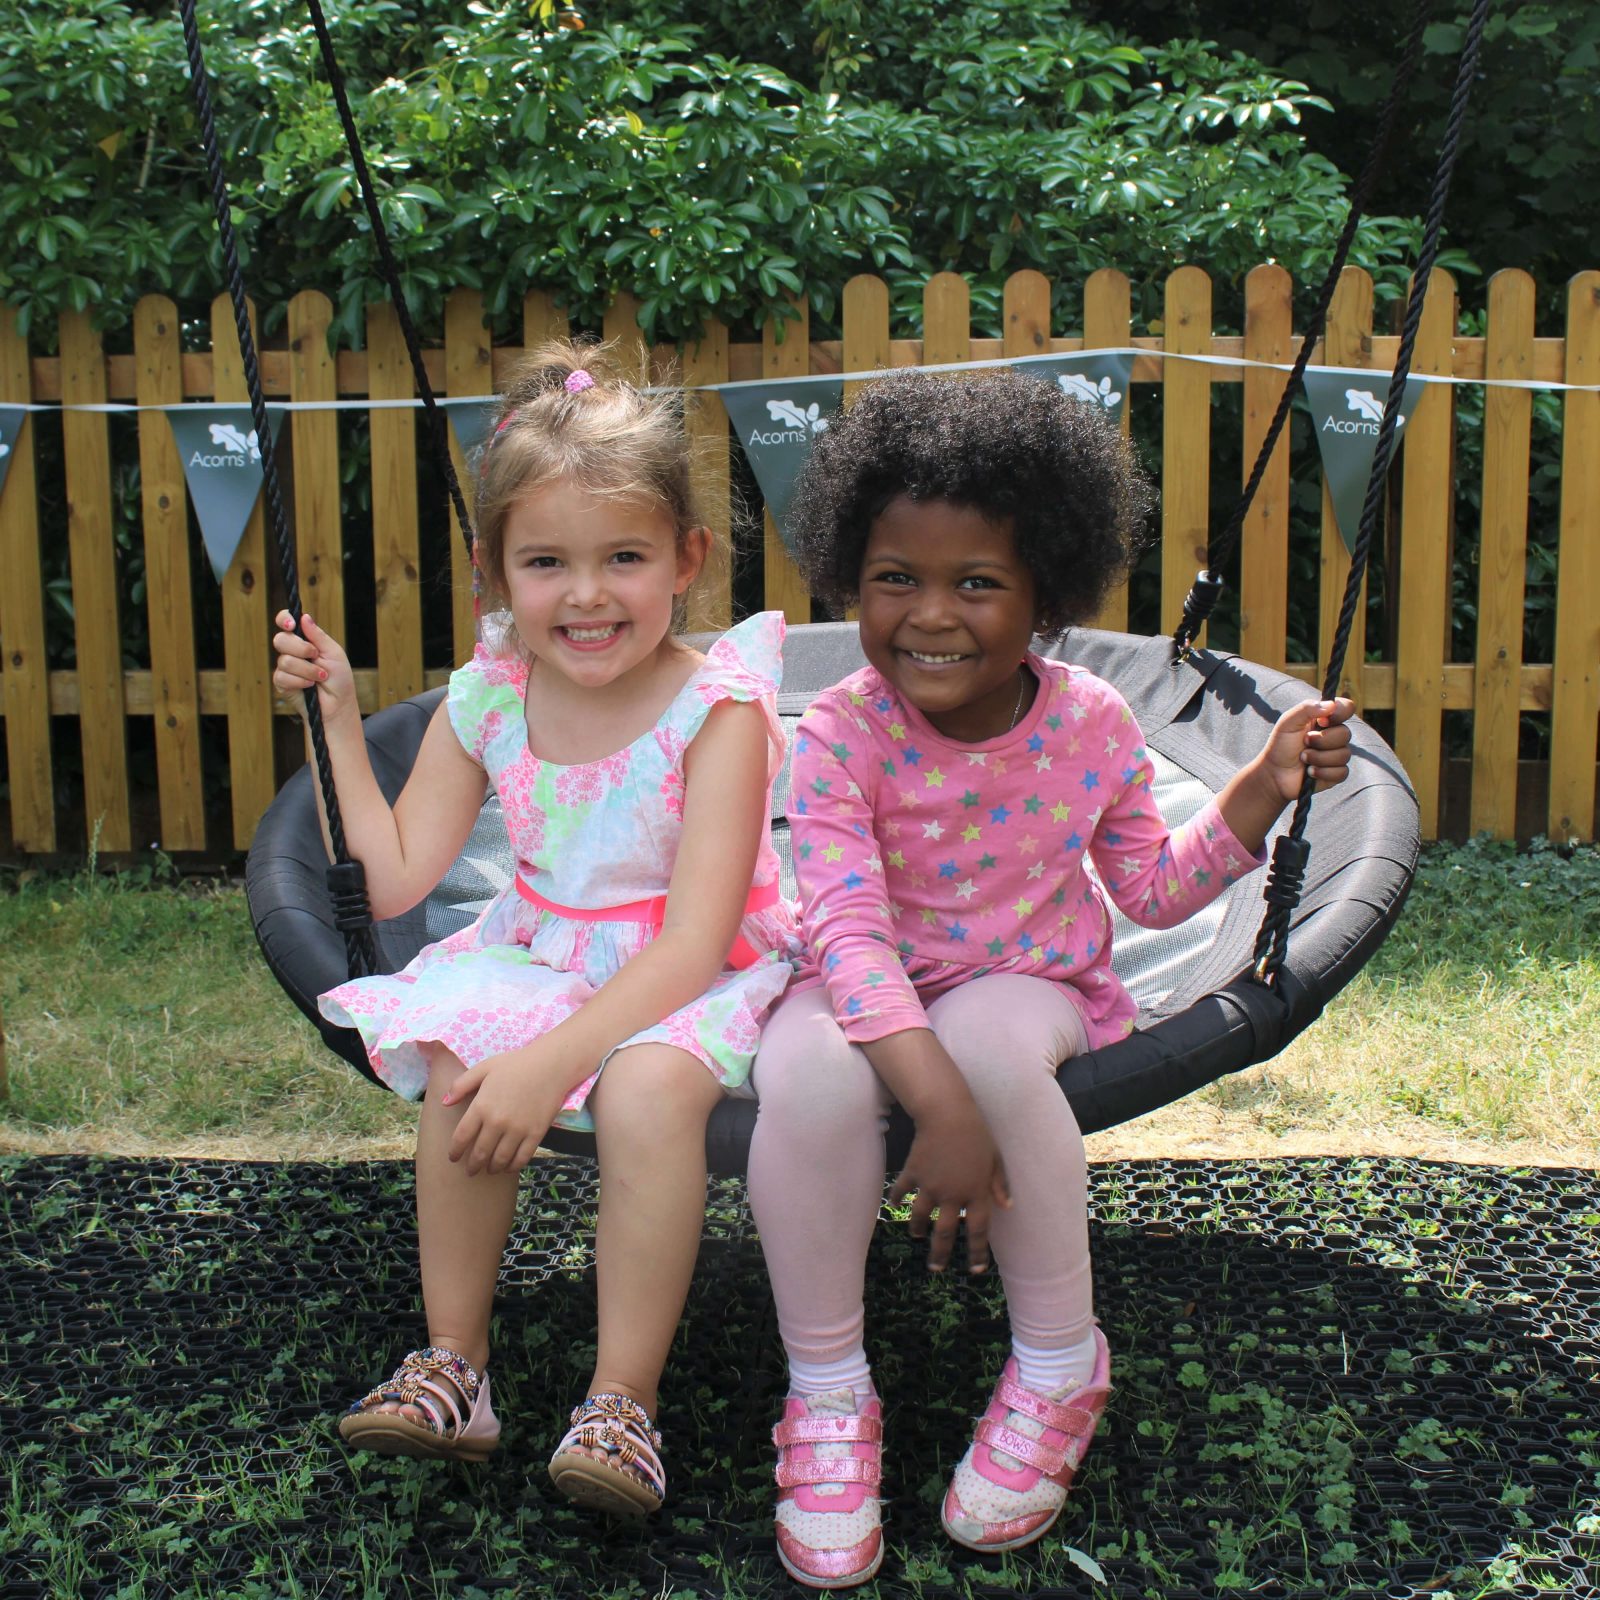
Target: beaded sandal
column 1010, row 1486
column 629, row 1482
column 445, row 1435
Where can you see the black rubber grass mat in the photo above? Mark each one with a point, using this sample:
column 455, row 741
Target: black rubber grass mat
column 1335, row 1378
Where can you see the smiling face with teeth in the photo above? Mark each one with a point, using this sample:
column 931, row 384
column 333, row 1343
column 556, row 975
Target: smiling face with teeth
column 947, row 614
column 591, row 580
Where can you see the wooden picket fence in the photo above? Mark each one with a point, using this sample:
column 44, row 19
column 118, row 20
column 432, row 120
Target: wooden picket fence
column 1418, row 686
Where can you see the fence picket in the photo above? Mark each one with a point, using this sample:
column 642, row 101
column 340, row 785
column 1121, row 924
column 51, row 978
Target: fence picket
column 1264, row 539
column 175, row 687
column 318, row 540
column 1185, row 442
column 24, row 671
column 946, row 319
column 96, row 623
column 1575, row 690
column 791, row 357
column 706, row 421
column 1346, row 342
column 1107, row 325
column 1025, row 313
column 395, row 542
column 1425, row 558
column 469, row 369
column 1502, row 557
column 245, row 617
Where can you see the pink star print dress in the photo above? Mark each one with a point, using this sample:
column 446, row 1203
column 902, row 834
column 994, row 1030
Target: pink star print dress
column 596, row 835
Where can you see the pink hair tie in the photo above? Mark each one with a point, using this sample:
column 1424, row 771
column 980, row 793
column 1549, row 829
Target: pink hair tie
column 578, row 381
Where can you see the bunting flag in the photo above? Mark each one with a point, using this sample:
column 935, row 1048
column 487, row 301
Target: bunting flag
column 221, row 458
column 1095, row 379
column 776, row 423
column 471, row 416
column 1346, row 413
column 11, row 420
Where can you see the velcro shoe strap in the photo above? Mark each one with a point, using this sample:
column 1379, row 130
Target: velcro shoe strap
column 839, row 1469
column 1064, row 1419
column 848, row 1429
column 1030, row 1452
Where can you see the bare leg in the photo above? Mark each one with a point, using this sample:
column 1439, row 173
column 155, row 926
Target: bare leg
column 650, row 1108
column 463, row 1222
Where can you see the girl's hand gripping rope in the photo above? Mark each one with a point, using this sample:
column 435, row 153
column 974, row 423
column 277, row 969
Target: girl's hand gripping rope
column 316, row 661
column 1311, row 736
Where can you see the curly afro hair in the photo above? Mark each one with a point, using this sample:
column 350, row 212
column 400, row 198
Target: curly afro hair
column 1006, row 445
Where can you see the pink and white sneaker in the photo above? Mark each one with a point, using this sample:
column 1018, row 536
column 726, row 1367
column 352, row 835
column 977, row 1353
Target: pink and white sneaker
column 1010, row 1486
column 830, row 1464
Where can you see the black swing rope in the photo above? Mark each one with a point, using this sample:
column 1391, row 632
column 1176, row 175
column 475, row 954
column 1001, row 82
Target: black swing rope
column 1291, row 852
column 346, row 878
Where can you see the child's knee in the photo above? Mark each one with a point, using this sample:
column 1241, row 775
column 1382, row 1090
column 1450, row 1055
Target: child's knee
column 811, row 1075
column 653, row 1092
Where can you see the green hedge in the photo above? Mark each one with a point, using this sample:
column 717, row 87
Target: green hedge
column 650, row 150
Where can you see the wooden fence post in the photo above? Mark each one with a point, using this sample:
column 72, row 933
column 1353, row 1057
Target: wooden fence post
column 1264, row 538
column 1185, row 441
column 395, row 543
column 787, row 357
column 24, row 673
column 318, row 538
column 1502, row 557
column 706, row 421
column 469, row 369
column 102, row 712
column 946, row 319
column 1425, row 558
column 1108, row 325
column 1575, row 691
column 174, row 687
column 246, row 627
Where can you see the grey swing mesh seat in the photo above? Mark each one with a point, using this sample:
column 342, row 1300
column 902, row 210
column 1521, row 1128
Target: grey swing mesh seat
column 1202, row 1013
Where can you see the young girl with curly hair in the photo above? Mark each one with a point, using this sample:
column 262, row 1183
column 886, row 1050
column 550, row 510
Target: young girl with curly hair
column 947, row 802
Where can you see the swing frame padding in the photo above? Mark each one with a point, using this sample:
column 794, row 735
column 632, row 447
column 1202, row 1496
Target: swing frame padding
column 1209, row 714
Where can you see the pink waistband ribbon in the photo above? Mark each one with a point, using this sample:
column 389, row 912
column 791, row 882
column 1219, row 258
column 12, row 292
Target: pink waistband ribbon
column 653, row 912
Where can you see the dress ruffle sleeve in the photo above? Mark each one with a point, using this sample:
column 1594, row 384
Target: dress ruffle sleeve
column 481, row 696
column 746, row 663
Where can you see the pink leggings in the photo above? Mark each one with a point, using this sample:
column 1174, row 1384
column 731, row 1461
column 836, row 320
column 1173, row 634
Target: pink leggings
column 817, row 1160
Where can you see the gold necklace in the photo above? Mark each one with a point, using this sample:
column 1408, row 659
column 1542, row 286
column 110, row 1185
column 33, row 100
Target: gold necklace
column 1022, row 689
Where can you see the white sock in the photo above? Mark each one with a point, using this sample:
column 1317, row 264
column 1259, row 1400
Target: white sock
column 849, row 1371
column 1050, row 1372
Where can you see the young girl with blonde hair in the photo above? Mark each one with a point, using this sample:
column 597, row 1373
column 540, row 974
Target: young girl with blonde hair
column 620, row 982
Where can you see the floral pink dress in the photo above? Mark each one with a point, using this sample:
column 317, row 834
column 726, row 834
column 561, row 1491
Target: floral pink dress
column 599, row 834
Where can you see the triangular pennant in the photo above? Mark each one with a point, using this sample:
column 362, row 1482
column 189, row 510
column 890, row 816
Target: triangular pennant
column 471, row 415
column 1346, row 409
column 221, row 458
column 11, row 420
column 776, row 423
column 1096, row 380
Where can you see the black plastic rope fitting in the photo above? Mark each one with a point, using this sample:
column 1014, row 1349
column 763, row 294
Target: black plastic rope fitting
column 347, row 891
column 1198, row 605
column 1287, row 874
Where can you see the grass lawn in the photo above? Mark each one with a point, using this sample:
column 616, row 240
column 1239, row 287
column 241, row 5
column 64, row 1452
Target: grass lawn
column 1335, row 1378
column 140, row 1020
